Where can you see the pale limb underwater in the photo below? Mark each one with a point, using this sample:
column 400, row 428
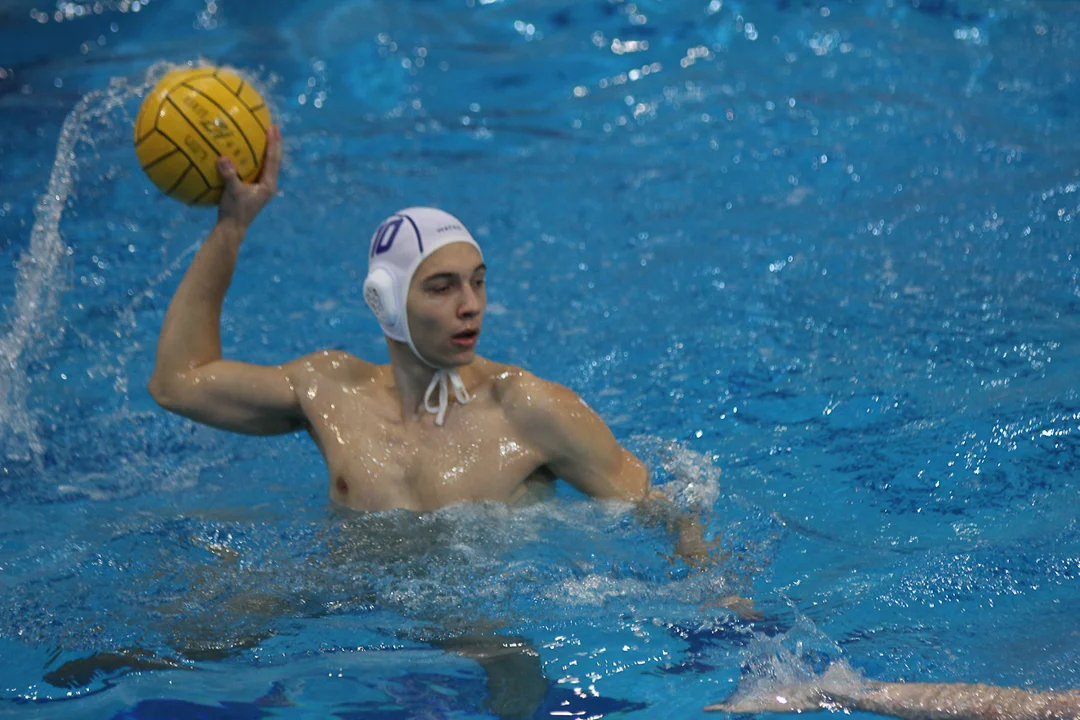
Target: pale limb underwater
column 842, row 689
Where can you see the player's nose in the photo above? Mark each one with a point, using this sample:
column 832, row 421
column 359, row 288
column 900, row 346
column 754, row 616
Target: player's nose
column 470, row 302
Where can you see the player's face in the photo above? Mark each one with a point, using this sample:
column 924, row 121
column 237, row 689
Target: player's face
column 446, row 305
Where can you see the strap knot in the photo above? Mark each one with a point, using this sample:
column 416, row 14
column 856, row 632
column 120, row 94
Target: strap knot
column 444, row 380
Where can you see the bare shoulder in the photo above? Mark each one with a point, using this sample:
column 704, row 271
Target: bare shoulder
column 574, row 441
column 519, row 391
column 537, row 405
column 332, row 364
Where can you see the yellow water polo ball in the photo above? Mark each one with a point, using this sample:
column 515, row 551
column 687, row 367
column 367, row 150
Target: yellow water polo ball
column 192, row 117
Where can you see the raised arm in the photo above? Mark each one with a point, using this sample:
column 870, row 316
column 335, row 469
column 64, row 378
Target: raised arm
column 190, row 377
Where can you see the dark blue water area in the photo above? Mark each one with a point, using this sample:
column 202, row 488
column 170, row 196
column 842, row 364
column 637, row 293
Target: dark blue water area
column 419, row 686
column 816, row 263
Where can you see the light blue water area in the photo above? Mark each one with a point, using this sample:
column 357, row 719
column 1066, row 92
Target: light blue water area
column 815, row 262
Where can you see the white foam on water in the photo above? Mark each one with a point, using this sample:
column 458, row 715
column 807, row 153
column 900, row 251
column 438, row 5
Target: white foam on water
column 695, row 477
column 781, row 672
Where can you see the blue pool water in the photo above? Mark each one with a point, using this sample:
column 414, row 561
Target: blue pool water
column 815, row 262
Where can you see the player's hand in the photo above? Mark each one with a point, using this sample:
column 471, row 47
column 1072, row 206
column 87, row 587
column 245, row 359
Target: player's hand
column 743, row 607
column 692, row 548
column 241, row 202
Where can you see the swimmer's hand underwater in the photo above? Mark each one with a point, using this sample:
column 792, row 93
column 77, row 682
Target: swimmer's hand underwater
column 692, row 548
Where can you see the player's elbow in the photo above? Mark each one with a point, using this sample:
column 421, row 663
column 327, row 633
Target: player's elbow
column 163, row 391
column 638, row 491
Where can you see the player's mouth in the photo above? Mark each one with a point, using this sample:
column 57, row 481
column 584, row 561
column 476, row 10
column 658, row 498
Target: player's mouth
column 466, row 338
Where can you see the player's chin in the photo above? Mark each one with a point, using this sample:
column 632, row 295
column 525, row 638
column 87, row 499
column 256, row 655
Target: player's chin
column 458, row 356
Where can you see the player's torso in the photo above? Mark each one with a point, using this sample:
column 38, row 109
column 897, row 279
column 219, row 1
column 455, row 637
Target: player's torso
column 376, row 462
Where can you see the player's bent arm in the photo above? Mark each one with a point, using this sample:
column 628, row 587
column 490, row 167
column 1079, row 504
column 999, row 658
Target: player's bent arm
column 581, row 450
column 578, row 445
column 190, row 376
column 235, row 396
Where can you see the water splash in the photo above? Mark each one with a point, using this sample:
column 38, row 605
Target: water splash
column 690, row 479
column 791, row 667
column 35, row 324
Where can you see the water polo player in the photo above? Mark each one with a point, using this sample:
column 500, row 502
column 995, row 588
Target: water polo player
column 439, row 424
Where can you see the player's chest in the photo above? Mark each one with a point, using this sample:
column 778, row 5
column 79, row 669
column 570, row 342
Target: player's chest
column 376, row 464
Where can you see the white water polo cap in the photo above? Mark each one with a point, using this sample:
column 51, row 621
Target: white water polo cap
column 398, row 247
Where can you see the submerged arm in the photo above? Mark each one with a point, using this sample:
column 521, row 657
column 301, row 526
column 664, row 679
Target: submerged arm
column 582, row 450
column 941, row 701
column 910, row 701
column 656, row 508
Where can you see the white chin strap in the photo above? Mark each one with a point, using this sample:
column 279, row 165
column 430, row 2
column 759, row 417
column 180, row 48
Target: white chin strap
column 442, row 379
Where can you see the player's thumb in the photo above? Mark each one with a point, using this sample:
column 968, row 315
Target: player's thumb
column 227, row 168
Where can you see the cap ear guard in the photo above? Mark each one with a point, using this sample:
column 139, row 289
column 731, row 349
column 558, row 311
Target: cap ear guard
column 379, row 295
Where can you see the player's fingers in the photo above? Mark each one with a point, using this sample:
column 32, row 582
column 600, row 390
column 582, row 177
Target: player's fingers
column 227, row 168
column 272, row 161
